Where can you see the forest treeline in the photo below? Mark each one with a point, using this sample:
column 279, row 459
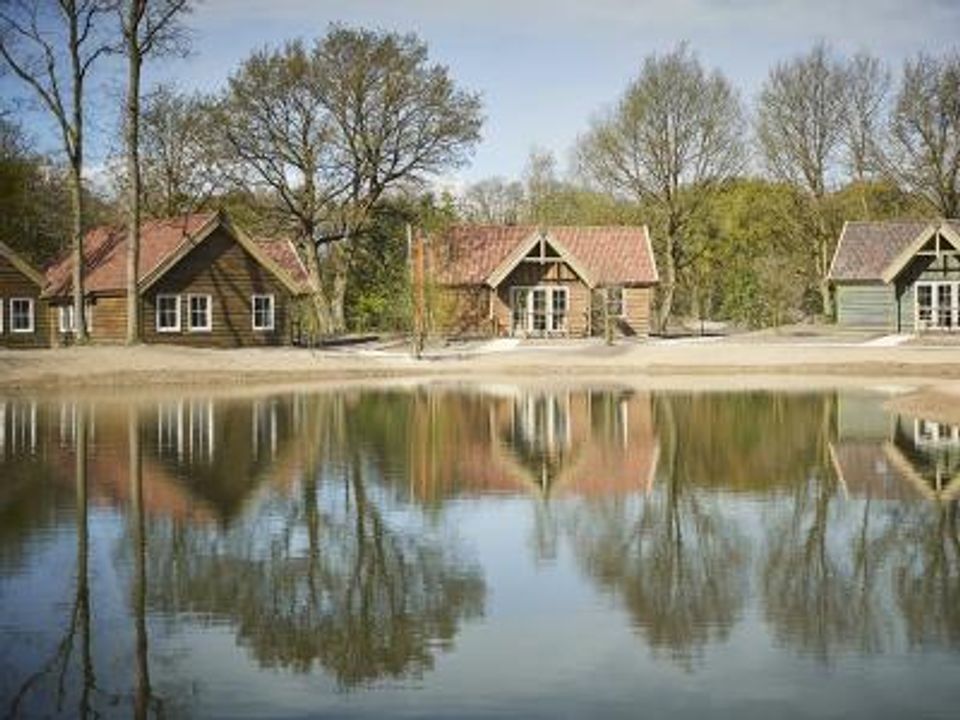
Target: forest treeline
column 338, row 143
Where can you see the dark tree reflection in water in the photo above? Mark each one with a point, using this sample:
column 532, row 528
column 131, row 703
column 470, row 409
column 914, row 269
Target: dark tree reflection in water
column 323, row 575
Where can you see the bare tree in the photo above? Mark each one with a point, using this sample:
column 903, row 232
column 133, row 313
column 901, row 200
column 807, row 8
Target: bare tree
column 148, row 27
column 51, row 47
column 672, row 139
column 179, row 165
column 332, row 128
column 801, row 120
column 866, row 87
column 923, row 151
column 493, row 200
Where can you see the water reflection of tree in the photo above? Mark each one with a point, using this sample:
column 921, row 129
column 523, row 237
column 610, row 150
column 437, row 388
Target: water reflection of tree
column 673, row 558
column 321, row 575
column 927, row 575
column 51, row 681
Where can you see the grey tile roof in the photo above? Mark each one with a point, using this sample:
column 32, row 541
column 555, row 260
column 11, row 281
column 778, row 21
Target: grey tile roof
column 867, row 248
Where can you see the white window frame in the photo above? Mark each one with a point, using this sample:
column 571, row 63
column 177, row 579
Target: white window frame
column 176, row 299
column 623, row 300
column 71, row 327
column 935, row 310
column 199, row 328
column 273, row 312
column 1, row 317
column 527, row 312
column 31, row 316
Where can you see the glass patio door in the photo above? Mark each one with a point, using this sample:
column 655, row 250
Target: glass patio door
column 938, row 305
column 539, row 310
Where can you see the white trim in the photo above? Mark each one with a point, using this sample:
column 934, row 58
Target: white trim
column 167, row 296
column 273, row 312
column 30, row 316
column 199, row 328
column 1, row 316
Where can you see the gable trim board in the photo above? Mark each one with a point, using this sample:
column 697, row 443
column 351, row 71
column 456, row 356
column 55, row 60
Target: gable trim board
column 517, row 256
column 909, row 253
column 22, row 265
column 194, row 240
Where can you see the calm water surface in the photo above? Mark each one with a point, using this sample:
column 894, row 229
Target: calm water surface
column 478, row 552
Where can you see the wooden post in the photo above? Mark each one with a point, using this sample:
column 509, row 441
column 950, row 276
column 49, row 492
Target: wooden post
column 417, row 281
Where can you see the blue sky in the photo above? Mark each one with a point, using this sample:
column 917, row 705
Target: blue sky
column 544, row 67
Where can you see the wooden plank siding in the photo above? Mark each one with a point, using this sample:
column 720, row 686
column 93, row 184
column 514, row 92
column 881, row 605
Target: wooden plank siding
column 14, row 284
column 106, row 315
column 867, row 305
column 636, row 319
column 224, row 270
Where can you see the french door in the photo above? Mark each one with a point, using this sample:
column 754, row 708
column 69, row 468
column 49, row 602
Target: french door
column 539, row 310
column 937, row 305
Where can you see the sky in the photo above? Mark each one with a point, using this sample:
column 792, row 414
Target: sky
column 545, row 67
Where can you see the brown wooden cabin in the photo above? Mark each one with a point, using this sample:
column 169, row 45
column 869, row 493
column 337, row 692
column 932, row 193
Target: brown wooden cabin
column 544, row 281
column 23, row 316
column 203, row 282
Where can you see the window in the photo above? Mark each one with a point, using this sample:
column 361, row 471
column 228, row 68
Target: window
column 1, row 316
column 168, row 313
column 263, row 312
column 21, row 315
column 198, row 315
column 66, row 318
column 615, row 304
column 558, row 315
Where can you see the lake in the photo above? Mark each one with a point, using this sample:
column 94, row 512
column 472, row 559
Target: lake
column 450, row 550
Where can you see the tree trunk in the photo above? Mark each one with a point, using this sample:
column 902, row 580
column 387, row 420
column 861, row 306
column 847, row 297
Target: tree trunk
column 335, row 287
column 308, row 251
column 669, row 284
column 76, row 201
column 134, row 60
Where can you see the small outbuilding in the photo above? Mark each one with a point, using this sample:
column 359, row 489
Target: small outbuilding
column 202, row 282
column 532, row 281
column 900, row 276
column 23, row 319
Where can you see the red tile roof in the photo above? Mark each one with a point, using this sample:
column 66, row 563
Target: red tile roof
column 468, row 254
column 105, row 254
column 866, row 249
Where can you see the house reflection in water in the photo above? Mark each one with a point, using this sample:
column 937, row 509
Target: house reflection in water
column 894, row 457
column 580, row 443
column 526, row 441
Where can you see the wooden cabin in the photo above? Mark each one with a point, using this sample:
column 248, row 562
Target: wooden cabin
column 23, row 318
column 901, row 276
column 545, row 281
column 202, row 281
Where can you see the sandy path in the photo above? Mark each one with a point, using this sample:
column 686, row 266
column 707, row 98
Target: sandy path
column 120, row 366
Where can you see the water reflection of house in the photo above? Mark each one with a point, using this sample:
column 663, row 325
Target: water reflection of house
column 200, row 459
column 895, row 457
column 552, row 443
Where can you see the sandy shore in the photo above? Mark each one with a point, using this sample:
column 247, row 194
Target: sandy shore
column 923, row 379
column 122, row 366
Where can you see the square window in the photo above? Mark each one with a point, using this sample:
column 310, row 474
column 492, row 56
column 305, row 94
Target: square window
column 198, row 314
column 168, row 313
column 21, row 315
column 615, row 305
column 263, row 312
